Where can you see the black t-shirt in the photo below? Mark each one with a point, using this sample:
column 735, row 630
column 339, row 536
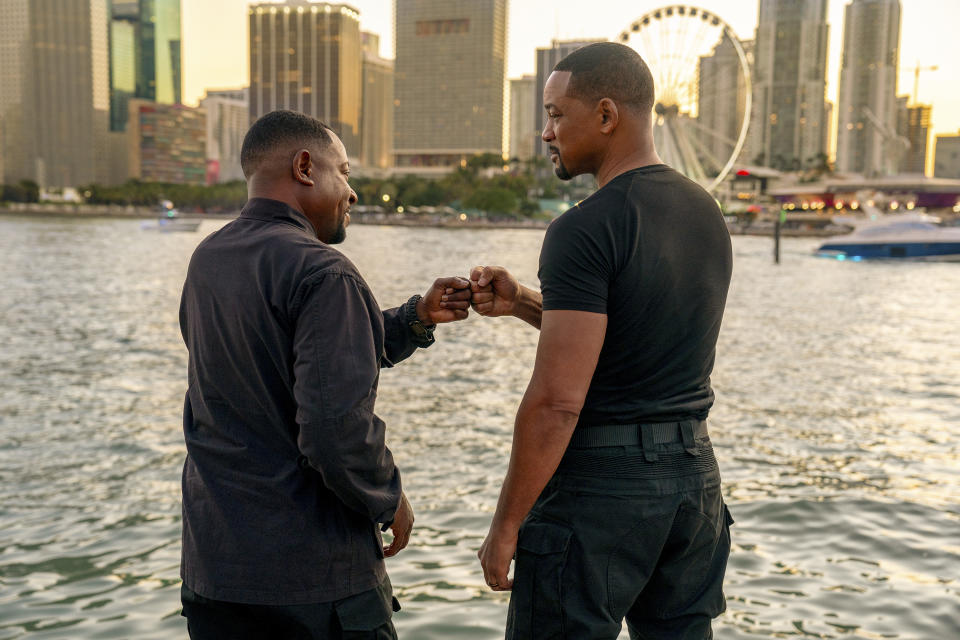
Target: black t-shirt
column 651, row 251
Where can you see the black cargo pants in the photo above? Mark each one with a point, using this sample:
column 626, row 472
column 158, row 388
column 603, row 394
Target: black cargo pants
column 623, row 533
column 365, row 616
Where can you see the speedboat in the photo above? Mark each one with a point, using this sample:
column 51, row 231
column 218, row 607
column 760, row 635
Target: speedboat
column 907, row 236
column 171, row 222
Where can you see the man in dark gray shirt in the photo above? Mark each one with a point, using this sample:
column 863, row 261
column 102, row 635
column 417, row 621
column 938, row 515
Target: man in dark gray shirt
column 287, row 477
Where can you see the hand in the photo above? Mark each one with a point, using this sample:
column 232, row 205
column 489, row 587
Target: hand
column 448, row 299
column 495, row 291
column 401, row 527
column 495, row 555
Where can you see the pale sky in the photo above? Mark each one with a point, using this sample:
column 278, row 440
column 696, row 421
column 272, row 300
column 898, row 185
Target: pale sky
column 215, row 40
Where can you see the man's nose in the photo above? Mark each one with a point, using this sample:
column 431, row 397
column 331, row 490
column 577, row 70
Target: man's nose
column 547, row 134
column 353, row 197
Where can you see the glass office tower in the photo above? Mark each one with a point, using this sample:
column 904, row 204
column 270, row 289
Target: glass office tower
column 145, row 52
column 158, row 76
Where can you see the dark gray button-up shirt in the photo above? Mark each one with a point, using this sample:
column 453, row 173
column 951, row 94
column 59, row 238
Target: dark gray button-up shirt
column 287, row 473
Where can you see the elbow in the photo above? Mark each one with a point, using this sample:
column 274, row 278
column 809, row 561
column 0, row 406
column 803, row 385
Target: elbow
column 556, row 407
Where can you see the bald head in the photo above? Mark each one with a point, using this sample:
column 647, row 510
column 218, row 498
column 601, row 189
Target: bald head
column 609, row 70
column 280, row 134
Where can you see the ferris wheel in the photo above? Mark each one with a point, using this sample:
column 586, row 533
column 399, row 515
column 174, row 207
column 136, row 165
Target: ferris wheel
column 699, row 127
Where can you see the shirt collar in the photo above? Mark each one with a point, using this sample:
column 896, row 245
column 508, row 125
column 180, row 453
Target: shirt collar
column 275, row 211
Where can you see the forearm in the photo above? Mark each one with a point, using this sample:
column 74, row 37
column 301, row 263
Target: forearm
column 529, row 306
column 540, row 438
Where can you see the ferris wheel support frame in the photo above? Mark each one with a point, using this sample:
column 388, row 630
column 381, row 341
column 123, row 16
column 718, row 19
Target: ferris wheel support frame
column 728, row 32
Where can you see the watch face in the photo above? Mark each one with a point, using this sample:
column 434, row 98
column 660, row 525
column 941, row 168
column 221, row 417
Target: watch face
column 418, row 329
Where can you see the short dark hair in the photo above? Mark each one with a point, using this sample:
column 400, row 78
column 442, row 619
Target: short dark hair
column 278, row 129
column 609, row 70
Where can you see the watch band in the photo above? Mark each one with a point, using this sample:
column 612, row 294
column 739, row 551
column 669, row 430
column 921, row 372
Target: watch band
column 422, row 334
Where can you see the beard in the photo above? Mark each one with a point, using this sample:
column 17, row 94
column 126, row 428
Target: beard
column 560, row 170
column 340, row 233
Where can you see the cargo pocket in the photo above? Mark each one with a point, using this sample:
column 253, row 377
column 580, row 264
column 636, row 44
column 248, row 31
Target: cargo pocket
column 366, row 616
column 536, row 608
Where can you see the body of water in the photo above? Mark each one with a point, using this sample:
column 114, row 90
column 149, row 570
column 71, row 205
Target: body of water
column 837, row 427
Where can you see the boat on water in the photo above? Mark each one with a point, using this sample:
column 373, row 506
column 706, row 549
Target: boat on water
column 907, row 236
column 171, row 222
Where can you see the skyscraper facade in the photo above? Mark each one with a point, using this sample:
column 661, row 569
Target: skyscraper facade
column 913, row 127
column 721, row 103
column 376, row 123
column 307, row 57
column 523, row 127
column 159, row 75
column 145, row 55
column 450, row 73
column 788, row 128
column 123, row 65
column 54, row 90
column 228, row 118
column 946, row 163
column 547, row 58
column 867, row 119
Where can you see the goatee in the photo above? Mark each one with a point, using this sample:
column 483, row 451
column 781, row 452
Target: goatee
column 560, row 170
column 340, row 234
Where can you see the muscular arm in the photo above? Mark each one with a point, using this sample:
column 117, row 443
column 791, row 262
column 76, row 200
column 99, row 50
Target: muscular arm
column 570, row 343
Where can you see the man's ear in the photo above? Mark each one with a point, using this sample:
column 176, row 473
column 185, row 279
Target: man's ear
column 609, row 115
column 303, row 167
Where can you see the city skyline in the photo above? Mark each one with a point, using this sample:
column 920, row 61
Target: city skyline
column 214, row 27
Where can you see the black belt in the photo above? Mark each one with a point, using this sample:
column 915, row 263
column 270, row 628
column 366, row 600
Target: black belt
column 648, row 435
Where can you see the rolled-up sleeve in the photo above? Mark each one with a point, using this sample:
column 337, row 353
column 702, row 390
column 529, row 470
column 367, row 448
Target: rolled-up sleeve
column 338, row 344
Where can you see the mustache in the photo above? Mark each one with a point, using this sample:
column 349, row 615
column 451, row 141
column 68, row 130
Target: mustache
column 553, row 149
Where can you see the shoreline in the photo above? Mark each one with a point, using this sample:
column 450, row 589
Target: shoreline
column 146, row 213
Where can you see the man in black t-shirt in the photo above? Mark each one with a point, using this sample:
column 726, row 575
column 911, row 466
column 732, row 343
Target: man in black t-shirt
column 612, row 504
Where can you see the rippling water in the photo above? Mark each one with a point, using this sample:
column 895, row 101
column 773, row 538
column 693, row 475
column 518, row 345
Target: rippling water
column 837, row 427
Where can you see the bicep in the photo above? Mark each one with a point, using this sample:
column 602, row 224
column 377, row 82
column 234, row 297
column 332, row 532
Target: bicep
column 567, row 354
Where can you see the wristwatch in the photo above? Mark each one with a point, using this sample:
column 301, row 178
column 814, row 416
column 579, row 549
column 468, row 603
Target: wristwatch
column 422, row 333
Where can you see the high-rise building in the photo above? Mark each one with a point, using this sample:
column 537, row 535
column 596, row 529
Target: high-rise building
column 145, row 55
column 54, row 90
column 547, row 58
column 166, row 143
column 867, row 140
column 913, row 128
column 376, row 123
column 721, row 103
column 789, row 84
column 523, row 127
column 123, row 61
column 449, row 82
column 307, row 57
column 946, row 162
column 228, row 118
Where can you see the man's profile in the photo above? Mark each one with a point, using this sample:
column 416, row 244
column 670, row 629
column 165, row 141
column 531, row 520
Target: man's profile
column 612, row 504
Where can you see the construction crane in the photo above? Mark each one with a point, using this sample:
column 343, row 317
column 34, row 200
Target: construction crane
column 916, row 76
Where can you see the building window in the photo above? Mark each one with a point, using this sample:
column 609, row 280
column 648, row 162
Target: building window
column 439, row 27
